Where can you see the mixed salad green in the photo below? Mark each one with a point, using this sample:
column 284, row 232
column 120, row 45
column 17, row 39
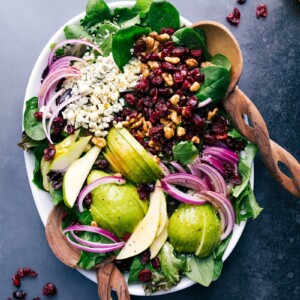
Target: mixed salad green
column 129, row 135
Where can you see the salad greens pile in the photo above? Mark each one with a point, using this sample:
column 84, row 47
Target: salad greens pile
column 206, row 169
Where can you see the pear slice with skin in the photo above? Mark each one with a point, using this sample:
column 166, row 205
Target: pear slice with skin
column 163, row 215
column 111, row 160
column 145, row 232
column 45, row 164
column 69, row 155
column 159, row 241
column 141, row 151
column 76, row 175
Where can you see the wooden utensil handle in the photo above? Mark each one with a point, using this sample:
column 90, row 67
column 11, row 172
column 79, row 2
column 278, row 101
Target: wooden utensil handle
column 238, row 104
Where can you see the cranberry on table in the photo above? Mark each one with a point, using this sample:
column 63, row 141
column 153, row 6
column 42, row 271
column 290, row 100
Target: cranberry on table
column 145, row 275
column 234, row 17
column 261, row 11
column 16, row 281
column 49, row 289
column 19, row 294
column 241, row 1
column 22, row 272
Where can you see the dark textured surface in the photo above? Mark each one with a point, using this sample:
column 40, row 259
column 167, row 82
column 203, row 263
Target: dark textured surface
column 265, row 263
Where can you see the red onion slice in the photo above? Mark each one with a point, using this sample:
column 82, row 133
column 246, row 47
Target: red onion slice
column 214, row 162
column 71, row 41
column 65, row 60
column 222, row 153
column 88, row 188
column 205, row 102
column 178, row 167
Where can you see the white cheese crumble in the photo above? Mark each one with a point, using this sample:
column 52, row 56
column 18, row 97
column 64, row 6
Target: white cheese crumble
column 100, row 85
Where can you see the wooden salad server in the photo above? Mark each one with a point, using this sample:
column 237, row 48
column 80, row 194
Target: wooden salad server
column 221, row 40
column 108, row 275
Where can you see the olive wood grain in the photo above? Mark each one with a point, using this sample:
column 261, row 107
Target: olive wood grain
column 238, row 104
column 108, row 276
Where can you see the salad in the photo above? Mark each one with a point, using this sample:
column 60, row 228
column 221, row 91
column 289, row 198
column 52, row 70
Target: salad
column 129, row 135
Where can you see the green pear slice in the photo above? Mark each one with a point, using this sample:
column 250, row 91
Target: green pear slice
column 163, row 215
column 112, row 161
column 145, row 232
column 68, row 140
column 76, row 175
column 141, row 151
column 71, row 153
column 129, row 158
column 45, row 164
column 159, row 241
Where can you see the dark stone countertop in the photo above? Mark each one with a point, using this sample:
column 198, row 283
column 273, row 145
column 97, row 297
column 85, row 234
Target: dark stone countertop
column 265, row 263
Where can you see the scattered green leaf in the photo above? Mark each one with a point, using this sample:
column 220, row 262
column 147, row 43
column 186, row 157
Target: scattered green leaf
column 185, row 152
column 221, row 60
column 76, row 32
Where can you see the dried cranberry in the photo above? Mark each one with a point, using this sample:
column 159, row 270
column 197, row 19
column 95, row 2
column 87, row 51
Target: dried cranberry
column 156, row 80
column 102, row 164
column 221, row 136
column 236, row 179
column 167, row 66
column 190, row 79
column 209, row 139
column 196, row 53
column 169, row 31
column 126, row 237
column 168, row 45
column 145, row 57
column 177, row 77
column 154, row 117
column 155, row 263
column 145, row 275
column 49, row 289
column 157, row 72
column 155, row 57
column 154, row 92
column 38, row 115
column 198, row 121
column 178, row 51
column 186, row 85
column 140, row 46
column 165, row 92
column 145, row 257
column 234, row 17
column 126, row 111
column 183, row 70
column 199, row 77
column 161, row 108
column 261, row 11
column 192, row 102
column 87, row 201
column 70, row 129
column 187, row 111
column 143, row 85
column 49, row 154
column 241, row 1
column 19, row 294
column 123, row 265
column 130, row 99
column 58, row 125
column 228, row 168
column 144, row 190
column 16, row 280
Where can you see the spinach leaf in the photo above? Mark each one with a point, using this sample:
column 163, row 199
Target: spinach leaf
column 126, row 17
column 201, row 33
column 221, row 60
column 244, row 168
column 218, row 266
column 32, row 127
column 246, row 206
column 200, row 270
column 135, row 269
column 235, row 134
column 216, row 82
column 163, row 14
column 57, row 196
column 191, row 38
column 27, row 143
column 143, row 6
column 170, row 264
column 185, row 152
column 76, row 32
column 96, row 11
column 123, row 42
column 38, row 155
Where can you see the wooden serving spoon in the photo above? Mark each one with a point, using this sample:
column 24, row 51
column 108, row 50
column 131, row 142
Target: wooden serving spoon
column 108, row 275
column 221, row 40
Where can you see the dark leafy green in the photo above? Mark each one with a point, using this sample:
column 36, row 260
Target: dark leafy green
column 27, row 143
column 163, row 14
column 123, row 42
column 200, row 270
column 158, row 283
column 76, row 32
column 96, row 12
column 135, row 269
column 216, row 82
column 191, row 38
column 185, row 152
column 143, row 6
column 221, row 60
column 246, row 206
column 235, row 134
column 57, row 196
column 32, row 127
column 126, row 17
column 170, row 264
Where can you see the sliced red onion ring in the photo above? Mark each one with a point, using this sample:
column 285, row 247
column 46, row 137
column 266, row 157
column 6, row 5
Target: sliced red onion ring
column 71, row 41
column 47, row 109
column 94, row 250
column 222, row 153
column 178, row 167
column 58, row 109
column 179, row 195
column 93, row 229
column 186, row 180
column 218, row 182
column 205, row 102
column 214, row 162
column 88, row 188
column 94, row 244
column 65, row 60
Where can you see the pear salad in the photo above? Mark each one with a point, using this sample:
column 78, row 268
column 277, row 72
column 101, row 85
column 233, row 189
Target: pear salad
column 130, row 136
